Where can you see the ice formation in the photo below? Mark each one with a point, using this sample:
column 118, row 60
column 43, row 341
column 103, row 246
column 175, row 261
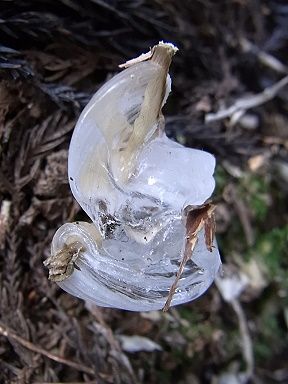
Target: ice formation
column 136, row 185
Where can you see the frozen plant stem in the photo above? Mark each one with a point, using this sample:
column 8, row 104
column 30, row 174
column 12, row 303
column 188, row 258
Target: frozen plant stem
column 151, row 237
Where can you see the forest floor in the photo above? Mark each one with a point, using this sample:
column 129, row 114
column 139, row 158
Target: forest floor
column 53, row 56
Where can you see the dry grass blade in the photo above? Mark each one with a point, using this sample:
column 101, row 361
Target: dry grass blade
column 189, row 248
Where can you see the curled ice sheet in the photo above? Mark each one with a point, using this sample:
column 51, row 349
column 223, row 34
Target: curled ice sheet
column 139, row 189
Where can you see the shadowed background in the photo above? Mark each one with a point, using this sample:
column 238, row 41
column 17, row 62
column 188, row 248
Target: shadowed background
column 53, row 56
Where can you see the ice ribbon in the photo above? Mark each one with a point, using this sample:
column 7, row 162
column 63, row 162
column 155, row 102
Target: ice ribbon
column 136, row 185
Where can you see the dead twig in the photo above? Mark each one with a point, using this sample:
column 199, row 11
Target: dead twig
column 10, row 334
column 264, row 57
column 247, row 347
column 231, row 285
column 242, row 105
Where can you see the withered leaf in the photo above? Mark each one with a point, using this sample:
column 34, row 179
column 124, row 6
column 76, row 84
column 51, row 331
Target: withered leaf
column 198, row 217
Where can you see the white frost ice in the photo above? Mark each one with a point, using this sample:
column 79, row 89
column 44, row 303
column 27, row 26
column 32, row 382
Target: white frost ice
column 134, row 183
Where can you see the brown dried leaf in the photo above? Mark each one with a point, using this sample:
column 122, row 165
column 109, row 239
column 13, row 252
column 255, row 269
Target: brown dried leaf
column 197, row 219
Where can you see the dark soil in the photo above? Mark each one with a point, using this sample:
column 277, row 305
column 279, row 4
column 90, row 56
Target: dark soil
column 53, row 56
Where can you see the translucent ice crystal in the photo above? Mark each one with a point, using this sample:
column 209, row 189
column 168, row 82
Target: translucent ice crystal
column 138, row 188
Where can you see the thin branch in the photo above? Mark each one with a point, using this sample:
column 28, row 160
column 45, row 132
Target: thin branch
column 5, row 331
column 264, row 57
column 247, row 348
column 248, row 102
